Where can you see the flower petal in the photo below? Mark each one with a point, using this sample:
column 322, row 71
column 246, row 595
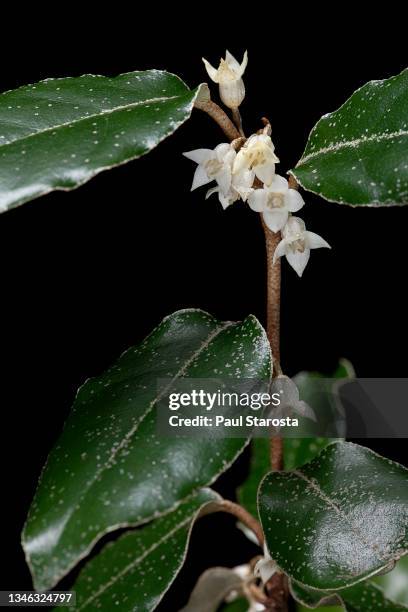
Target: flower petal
column 241, row 162
column 211, row 191
column 294, row 200
column 223, row 179
column 243, row 64
column 257, row 200
column 224, row 150
column 275, row 219
column 314, row 241
column 232, row 62
column 199, row 156
column 279, row 184
column 298, row 260
column 212, row 72
column 265, row 172
column 280, row 250
column 200, row 178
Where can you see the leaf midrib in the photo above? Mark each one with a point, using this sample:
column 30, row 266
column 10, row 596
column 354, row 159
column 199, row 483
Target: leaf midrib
column 214, row 333
column 137, row 561
column 334, row 147
column 315, row 486
column 87, row 117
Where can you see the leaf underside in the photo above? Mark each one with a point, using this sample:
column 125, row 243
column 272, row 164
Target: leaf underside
column 358, row 155
column 59, row 133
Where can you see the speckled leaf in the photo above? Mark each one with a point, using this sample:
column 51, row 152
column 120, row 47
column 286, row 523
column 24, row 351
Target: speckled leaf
column 337, row 520
column 59, row 133
column 297, row 451
column 395, row 583
column 110, row 468
column 135, row 571
column 362, row 597
column 358, row 154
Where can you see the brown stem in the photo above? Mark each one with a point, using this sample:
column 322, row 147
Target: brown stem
column 225, row 123
column 245, row 517
column 273, row 284
column 236, row 116
column 277, row 587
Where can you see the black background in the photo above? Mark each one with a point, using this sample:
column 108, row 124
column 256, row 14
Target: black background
column 86, row 274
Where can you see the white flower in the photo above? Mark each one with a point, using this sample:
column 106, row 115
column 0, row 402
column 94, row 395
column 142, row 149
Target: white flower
column 213, row 165
column 276, row 202
column 296, row 244
column 229, row 78
column 241, row 187
column 257, row 154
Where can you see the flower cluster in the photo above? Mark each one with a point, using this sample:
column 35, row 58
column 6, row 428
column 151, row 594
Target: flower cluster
column 249, row 174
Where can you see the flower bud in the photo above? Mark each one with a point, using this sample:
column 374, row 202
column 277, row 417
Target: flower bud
column 229, row 78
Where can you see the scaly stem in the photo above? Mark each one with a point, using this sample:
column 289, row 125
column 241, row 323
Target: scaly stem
column 216, row 113
column 277, row 587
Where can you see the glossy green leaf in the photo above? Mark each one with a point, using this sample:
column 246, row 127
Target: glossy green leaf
column 358, row 154
column 395, row 583
column 337, row 520
column 362, row 597
column 110, row 468
column 297, row 451
column 135, row 571
column 59, row 133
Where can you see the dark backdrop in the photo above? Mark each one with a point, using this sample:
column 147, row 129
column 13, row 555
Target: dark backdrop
column 86, row 274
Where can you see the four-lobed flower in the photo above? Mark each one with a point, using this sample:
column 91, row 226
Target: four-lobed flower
column 228, row 75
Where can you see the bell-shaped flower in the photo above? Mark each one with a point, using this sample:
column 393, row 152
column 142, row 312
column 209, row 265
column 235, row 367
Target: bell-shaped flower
column 275, row 202
column 228, row 75
column 296, row 244
column 257, row 154
column 213, row 165
column 241, row 187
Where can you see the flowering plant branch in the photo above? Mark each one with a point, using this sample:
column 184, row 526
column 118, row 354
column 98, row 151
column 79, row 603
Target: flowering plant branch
column 332, row 516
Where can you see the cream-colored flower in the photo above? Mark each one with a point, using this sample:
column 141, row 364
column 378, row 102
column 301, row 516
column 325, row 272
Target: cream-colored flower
column 213, row 165
column 296, row 244
column 257, row 154
column 228, row 75
column 241, row 187
column 276, row 202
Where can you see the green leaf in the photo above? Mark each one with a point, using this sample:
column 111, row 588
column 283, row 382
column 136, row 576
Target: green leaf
column 362, row 597
column 59, row 133
column 135, row 571
column 395, row 583
column 358, row 154
column 297, row 451
column 337, row 520
column 110, row 468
